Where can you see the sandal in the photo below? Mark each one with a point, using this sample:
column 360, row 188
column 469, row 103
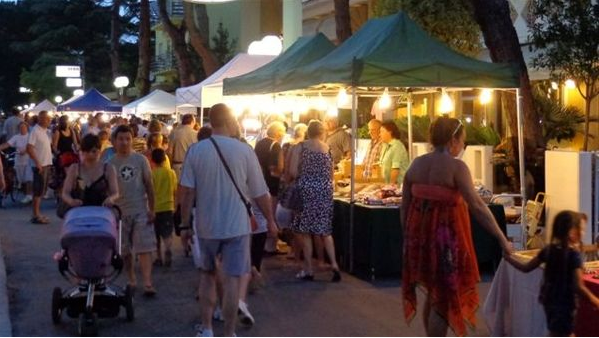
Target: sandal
column 149, row 291
column 303, row 275
column 336, row 276
column 40, row 220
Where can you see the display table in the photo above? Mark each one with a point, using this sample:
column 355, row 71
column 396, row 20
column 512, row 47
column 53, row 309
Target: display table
column 378, row 239
column 512, row 306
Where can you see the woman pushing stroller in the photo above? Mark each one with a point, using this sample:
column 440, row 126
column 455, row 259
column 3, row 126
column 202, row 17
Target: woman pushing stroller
column 90, row 182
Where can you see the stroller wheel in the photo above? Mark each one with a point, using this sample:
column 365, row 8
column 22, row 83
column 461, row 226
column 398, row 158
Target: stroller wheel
column 56, row 305
column 88, row 325
column 128, row 303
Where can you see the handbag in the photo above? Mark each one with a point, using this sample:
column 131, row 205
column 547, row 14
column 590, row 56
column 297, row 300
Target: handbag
column 248, row 205
column 291, row 196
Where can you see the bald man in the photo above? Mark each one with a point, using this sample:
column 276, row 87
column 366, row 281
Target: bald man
column 373, row 154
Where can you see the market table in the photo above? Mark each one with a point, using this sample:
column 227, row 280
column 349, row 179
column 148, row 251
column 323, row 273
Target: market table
column 378, row 239
column 512, row 306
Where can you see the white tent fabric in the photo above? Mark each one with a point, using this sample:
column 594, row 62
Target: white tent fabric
column 157, row 102
column 210, row 91
column 44, row 105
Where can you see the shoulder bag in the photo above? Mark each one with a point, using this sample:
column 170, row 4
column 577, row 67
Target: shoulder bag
column 248, row 205
column 291, row 196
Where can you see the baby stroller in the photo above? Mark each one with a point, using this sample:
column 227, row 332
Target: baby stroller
column 91, row 260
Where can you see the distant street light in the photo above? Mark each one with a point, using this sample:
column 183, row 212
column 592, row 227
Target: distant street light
column 78, row 92
column 24, row 90
column 121, row 83
column 58, row 99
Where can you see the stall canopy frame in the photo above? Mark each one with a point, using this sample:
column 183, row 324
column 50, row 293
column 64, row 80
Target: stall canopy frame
column 91, row 101
column 395, row 52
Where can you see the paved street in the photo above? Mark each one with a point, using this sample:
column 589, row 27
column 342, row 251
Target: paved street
column 285, row 307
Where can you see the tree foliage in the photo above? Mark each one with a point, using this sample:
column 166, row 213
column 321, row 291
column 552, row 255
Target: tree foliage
column 450, row 21
column 222, row 46
column 565, row 34
column 37, row 35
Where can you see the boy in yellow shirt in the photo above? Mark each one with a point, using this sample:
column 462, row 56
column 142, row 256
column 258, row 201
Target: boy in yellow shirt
column 165, row 190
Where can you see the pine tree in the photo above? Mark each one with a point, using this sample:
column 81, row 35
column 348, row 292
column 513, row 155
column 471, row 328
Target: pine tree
column 221, row 46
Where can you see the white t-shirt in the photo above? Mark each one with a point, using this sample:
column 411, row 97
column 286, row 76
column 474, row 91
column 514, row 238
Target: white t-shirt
column 19, row 142
column 39, row 139
column 220, row 213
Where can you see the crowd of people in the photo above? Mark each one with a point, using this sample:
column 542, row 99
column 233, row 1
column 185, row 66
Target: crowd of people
column 239, row 202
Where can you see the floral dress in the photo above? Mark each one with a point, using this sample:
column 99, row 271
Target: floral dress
column 439, row 256
column 316, row 186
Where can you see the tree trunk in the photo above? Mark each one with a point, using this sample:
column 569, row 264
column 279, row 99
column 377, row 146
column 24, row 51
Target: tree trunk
column 501, row 38
column 342, row 20
column 588, row 98
column 200, row 38
column 143, row 69
column 177, row 35
column 115, row 35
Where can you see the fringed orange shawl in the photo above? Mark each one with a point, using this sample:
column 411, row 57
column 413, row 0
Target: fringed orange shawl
column 439, row 256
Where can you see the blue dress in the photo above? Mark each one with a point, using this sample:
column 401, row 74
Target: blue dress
column 316, row 186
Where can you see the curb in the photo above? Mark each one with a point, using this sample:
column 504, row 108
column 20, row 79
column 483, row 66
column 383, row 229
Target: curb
column 5, row 326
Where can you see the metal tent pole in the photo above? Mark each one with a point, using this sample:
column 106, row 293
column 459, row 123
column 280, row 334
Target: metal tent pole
column 410, row 135
column 354, row 126
column 521, row 165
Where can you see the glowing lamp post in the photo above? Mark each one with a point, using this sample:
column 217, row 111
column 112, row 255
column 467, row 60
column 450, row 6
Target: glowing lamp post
column 121, row 83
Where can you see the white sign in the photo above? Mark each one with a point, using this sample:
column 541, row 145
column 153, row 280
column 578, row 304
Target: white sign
column 74, row 82
column 68, row 71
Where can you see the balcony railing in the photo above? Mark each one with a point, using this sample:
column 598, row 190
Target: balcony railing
column 163, row 63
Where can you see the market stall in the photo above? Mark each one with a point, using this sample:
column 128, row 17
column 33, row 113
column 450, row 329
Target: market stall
column 91, row 101
column 394, row 58
column 44, row 105
column 157, row 102
column 210, row 91
column 512, row 307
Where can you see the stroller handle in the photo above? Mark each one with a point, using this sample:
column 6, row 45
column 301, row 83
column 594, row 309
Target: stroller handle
column 119, row 212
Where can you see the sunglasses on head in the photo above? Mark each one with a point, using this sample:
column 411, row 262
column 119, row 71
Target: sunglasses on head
column 460, row 124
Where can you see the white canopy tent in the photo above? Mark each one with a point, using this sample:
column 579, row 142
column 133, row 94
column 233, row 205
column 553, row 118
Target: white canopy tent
column 210, row 91
column 44, row 105
column 157, row 102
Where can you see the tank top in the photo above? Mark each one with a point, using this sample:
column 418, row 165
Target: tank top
column 95, row 193
column 65, row 143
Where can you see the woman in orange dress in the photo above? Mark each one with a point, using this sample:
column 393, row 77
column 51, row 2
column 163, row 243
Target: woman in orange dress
column 438, row 251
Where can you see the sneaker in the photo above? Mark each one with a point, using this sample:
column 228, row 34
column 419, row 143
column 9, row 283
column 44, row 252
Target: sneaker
column 202, row 332
column 26, row 200
column 218, row 314
column 245, row 317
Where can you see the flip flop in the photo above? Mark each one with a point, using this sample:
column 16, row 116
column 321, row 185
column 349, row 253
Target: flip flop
column 40, row 220
column 149, row 291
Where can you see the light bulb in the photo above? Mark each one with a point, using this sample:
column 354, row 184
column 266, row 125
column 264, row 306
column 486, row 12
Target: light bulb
column 332, row 112
column 485, row 96
column 105, row 118
column 342, row 98
column 570, row 84
column 321, row 104
column 385, row 100
column 468, row 119
column 554, row 85
column 446, row 103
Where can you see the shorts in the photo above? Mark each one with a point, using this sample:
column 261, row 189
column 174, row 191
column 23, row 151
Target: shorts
column 164, row 224
column 257, row 250
column 560, row 320
column 24, row 173
column 234, row 255
column 40, row 181
column 138, row 234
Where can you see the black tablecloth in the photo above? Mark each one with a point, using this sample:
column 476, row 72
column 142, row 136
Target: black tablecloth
column 378, row 240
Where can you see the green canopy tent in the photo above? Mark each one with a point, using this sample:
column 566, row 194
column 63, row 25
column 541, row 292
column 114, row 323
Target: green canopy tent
column 395, row 52
column 265, row 79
